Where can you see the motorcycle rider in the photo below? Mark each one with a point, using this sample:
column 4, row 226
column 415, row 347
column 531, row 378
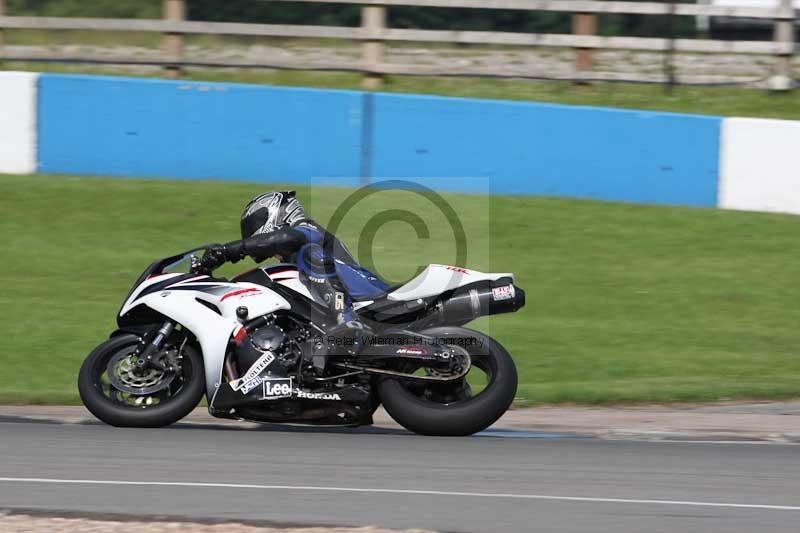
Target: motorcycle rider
column 275, row 224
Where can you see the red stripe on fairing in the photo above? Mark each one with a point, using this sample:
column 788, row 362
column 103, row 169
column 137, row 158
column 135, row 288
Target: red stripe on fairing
column 239, row 335
column 237, row 293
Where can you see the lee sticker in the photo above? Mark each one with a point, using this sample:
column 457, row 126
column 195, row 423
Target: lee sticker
column 503, row 293
column 276, row 388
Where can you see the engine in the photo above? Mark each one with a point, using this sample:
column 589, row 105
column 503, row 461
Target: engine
column 281, row 336
column 295, row 366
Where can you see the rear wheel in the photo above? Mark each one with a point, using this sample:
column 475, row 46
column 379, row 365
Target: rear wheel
column 117, row 393
column 460, row 407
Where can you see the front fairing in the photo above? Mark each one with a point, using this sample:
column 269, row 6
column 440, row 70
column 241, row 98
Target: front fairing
column 180, row 263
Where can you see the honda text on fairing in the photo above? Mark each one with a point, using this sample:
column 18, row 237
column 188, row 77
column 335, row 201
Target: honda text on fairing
column 265, row 347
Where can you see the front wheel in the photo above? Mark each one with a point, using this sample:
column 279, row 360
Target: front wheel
column 119, row 394
column 453, row 408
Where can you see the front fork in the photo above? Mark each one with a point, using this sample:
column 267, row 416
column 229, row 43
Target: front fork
column 146, row 351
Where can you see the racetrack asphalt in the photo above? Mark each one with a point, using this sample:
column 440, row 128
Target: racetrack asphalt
column 390, row 478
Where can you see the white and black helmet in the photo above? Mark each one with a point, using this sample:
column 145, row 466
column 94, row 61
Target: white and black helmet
column 270, row 211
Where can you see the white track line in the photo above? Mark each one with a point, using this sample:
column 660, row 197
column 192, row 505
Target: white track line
column 397, row 491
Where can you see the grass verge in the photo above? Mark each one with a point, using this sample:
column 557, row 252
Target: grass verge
column 626, row 303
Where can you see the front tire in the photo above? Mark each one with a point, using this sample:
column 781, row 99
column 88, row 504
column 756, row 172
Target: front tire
column 465, row 416
column 125, row 410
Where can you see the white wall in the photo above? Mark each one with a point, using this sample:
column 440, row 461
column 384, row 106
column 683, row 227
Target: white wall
column 18, row 122
column 760, row 165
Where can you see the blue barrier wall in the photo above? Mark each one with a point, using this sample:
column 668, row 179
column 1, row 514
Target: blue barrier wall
column 527, row 148
column 135, row 127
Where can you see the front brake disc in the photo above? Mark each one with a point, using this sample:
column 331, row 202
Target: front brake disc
column 125, row 377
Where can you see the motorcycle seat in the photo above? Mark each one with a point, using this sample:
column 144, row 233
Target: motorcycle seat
column 438, row 279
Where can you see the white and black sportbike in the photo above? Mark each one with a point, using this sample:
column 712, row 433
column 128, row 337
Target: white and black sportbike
column 267, row 347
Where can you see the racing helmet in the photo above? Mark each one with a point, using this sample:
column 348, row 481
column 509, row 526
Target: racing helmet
column 270, row 211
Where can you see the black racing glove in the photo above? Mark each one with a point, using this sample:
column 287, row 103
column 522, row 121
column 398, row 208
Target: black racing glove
column 217, row 255
column 213, row 257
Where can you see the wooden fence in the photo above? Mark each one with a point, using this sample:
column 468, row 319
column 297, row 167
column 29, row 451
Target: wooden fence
column 374, row 35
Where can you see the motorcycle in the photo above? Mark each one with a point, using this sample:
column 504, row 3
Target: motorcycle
column 272, row 346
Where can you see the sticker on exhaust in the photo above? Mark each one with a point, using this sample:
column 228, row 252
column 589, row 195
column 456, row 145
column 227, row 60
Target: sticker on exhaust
column 503, row 293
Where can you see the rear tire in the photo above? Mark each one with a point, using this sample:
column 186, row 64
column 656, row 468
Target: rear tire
column 463, row 417
column 121, row 415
